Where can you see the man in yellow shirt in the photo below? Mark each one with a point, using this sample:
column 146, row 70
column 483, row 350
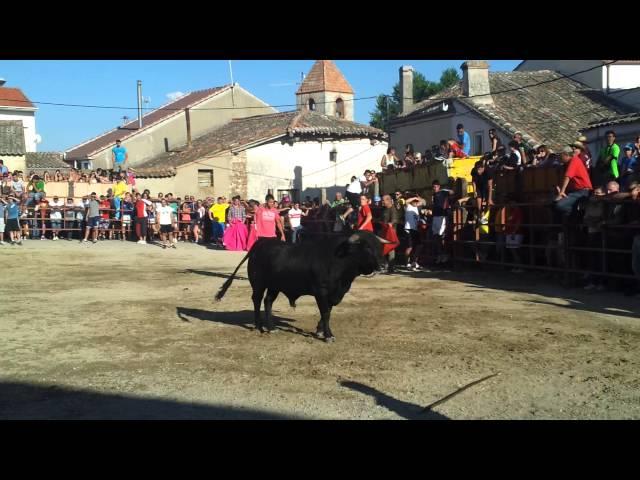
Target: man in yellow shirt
column 118, row 194
column 218, row 215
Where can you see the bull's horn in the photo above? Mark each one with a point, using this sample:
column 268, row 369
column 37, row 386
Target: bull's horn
column 383, row 240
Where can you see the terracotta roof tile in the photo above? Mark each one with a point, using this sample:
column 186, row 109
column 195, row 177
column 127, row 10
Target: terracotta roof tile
column 241, row 133
column 13, row 97
column 52, row 160
column 325, row 76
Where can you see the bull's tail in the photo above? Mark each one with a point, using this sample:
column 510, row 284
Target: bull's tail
column 225, row 286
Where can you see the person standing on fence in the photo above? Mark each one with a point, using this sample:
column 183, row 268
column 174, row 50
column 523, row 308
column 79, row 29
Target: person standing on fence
column 607, row 166
column 464, row 139
column 92, row 219
column 119, row 191
column 119, row 157
column 166, row 218
column 576, row 183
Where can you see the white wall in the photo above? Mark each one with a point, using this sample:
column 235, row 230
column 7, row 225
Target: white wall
column 624, row 76
column 306, row 165
column 29, row 124
column 430, row 131
column 593, row 78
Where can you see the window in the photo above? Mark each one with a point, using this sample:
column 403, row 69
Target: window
column 86, row 165
column 312, row 104
column 333, row 155
column 477, row 143
column 205, row 178
column 339, row 108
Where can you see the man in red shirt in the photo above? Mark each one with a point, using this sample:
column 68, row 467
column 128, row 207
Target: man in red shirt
column 576, row 183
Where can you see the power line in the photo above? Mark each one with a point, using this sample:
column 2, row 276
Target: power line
column 113, row 107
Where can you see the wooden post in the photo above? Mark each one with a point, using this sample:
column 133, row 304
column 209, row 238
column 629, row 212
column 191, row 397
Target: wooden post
column 188, row 118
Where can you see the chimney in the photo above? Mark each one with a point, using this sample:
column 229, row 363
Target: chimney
column 475, row 81
column 188, row 118
column 139, row 104
column 406, row 87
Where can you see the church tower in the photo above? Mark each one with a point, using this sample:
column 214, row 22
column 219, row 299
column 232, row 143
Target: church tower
column 326, row 91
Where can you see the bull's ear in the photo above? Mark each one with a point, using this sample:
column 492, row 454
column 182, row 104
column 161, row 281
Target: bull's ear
column 355, row 238
column 345, row 248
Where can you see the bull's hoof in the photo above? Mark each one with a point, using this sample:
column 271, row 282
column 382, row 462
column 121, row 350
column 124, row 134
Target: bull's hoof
column 319, row 334
column 330, row 339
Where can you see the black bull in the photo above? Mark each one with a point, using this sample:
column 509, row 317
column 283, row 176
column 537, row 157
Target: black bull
column 323, row 267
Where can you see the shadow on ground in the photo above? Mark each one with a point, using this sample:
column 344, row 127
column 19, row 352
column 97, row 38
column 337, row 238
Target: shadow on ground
column 243, row 319
column 22, row 401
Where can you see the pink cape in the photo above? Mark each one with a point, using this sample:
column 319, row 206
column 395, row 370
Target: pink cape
column 253, row 236
column 235, row 236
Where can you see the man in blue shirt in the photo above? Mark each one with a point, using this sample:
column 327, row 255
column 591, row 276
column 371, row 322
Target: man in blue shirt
column 119, row 156
column 13, row 227
column 4, row 171
column 464, row 139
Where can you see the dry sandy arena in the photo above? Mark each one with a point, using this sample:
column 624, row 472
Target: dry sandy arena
column 127, row 331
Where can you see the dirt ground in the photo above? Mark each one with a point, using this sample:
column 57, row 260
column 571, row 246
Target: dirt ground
column 131, row 331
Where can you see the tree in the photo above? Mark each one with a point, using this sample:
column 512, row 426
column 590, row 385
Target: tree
column 422, row 89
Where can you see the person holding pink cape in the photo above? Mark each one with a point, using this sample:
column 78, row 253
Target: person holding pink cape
column 235, row 236
column 267, row 220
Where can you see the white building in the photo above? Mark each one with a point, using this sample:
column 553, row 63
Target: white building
column 291, row 153
column 15, row 106
column 545, row 107
column 620, row 79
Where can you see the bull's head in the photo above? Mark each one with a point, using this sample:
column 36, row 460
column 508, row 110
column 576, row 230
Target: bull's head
column 366, row 249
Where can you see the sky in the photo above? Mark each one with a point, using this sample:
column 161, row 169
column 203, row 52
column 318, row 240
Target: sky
column 114, row 83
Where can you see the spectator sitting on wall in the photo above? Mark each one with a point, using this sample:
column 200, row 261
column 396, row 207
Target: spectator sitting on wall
column 522, row 148
column 389, row 159
column 409, row 155
column 464, row 140
column 454, row 150
column 495, row 141
column 514, row 160
column 586, row 156
column 576, row 183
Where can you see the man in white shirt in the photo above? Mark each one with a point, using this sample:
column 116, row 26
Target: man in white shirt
column 166, row 219
column 55, row 215
column 411, row 218
column 295, row 217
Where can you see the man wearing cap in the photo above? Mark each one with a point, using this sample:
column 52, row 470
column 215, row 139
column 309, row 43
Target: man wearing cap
column 628, row 165
column 585, row 155
column 576, row 183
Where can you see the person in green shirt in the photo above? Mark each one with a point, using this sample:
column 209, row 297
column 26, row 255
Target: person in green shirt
column 608, row 159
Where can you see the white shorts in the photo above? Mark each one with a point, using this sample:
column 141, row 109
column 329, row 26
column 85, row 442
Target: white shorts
column 513, row 241
column 439, row 225
column 1, row 225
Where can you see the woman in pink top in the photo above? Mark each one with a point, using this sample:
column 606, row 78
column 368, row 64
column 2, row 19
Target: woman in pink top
column 267, row 219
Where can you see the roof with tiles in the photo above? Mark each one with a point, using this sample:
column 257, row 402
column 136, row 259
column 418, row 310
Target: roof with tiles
column 552, row 113
column 325, row 76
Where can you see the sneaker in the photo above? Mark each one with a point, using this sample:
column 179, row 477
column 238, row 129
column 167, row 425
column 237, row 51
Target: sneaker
column 174, row 246
column 416, row 267
column 164, row 246
column 42, row 237
column 55, row 237
column 1, row 242
column 94, row 241
column 84, row 240
column 590, row 286
column 142, row 242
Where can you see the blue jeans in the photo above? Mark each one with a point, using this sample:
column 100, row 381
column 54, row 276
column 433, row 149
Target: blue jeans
column 116, row 206
column 217, row 230
column 294, row 233
column 565, row 206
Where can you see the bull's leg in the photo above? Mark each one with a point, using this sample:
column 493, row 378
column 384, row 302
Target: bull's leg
column 325, row 314
column 320, row 326
column 258, row 293
column 268, row 303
